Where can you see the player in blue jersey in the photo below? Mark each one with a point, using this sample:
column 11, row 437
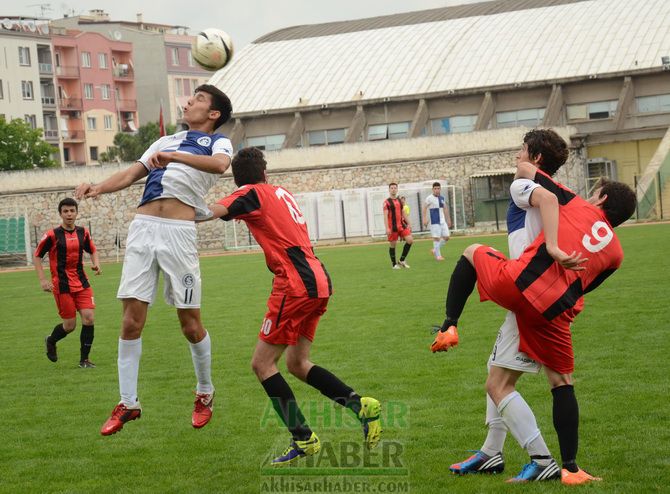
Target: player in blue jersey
column 436, row 211
column 180, row 169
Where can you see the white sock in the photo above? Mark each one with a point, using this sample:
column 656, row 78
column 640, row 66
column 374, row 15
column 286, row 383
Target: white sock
column 201, row 353
column 442, row 242
column 521, row 422
column 495, row 439
column 128, row 363
column 436, row 248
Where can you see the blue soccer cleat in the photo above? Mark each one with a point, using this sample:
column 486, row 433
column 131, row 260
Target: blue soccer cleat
column 297, row 450
column 532, row 472
column 479, row 463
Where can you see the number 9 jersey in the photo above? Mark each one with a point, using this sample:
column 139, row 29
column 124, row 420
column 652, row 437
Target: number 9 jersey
column 582, row 227
column 276, row 222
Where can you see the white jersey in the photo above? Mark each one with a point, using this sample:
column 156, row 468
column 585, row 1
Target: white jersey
column 435, row 209
column 524, row 222
column 180, row 181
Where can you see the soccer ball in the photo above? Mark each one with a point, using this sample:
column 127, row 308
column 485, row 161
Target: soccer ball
column 212, row 49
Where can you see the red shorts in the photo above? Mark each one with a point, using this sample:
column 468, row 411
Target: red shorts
column 548, row 342
column 393, row 236
column 288, row 318
column 69, row 303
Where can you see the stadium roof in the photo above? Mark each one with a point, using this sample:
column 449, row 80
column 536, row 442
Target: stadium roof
column 452, row 49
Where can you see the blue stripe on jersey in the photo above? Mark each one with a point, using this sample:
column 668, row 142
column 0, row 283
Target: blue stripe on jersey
column 154, row 186
column 516, row 217
column 199, row 143
column 434, row 216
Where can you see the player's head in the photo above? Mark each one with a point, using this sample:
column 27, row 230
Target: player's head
column 210, row 104
column 249, row 166
column 437, row 188
column 403, row 200
column 545, row 149
column 67, row 203
column 616, row 199
column 393, row 189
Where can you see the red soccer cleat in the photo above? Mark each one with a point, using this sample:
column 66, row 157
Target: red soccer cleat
column 202, row 411
column 120, row 415
column 445, row 340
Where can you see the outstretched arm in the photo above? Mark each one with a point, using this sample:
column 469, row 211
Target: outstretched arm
column 218, row 211
column 217, row 163
column 120, row 180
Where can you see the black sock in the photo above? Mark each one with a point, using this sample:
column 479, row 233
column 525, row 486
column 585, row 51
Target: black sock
column 392, row 255
column 283, row 401
column 463, row 281
column 329, row 385
column 405, row 251
column 566, row 423
column 57, row 334
column 86, row 340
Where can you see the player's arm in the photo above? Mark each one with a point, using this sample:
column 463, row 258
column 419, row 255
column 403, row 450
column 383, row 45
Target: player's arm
column 386, row 220
column 424, row 214
column 45, row 283
column 405, row 217
column 548, row 204
column 525, row 169
column 218, row 211
column 120, row 180
column 446, row 214
column 217, row 163
column 95, row 263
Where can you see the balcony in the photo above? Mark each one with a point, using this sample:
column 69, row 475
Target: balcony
column 123, row 72
column 51, row 135
column 72, row 135
column 67, row 72
column 46, row 68
column 73, row 104
column 48, row 101
column 127, row 104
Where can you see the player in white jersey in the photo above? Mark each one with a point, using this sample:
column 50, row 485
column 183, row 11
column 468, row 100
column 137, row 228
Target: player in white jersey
column 505, row 407
column 436, row 211
column 180, row 170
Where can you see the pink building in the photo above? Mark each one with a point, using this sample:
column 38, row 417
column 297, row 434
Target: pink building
column 96, row 93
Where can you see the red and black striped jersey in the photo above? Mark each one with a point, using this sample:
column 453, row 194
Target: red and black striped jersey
column 279, row 227
column 582, row 227
column 393, row 211
column 65, row 250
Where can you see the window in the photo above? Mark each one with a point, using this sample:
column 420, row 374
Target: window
column 102, row 60
column 189, row 56
column 520, row 118
column 91, row 124
column 88, row 91
column 325, row 137
column 267, row 143
column 194, row 83
column 108, row 122
column 2, row 94
column 379, row 132
column 175, row 56
column 592, row 111
column 178, row 87
column 650, row 104
column 187, row 86
column 105, row 90
column 85, row 59
column 31, row 120
column 27, row 89
column 94, row 152
column 24, row 55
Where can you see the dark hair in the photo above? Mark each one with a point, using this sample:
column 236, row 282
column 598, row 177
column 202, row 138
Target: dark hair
column 550, row 145
column 437, row 184
column 68, row 201
column 220, row 103
column 393, row 183
column 248, row 166
column 620, row 203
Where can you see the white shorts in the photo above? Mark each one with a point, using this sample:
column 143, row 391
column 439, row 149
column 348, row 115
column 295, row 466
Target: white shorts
column 440, row 230
column 506, row 349
column 160, row 244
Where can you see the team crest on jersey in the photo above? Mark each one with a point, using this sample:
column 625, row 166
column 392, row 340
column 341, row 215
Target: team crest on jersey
column 204, row 141
column 188, row 280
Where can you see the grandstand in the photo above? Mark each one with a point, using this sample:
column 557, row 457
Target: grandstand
column 15, row 247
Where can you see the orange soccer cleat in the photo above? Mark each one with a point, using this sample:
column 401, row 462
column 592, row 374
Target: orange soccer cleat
column 577, row 478
column 444, row 340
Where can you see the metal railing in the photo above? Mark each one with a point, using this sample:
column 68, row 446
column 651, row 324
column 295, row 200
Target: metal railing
column 72, row 135
column 70, row 103
column 49, row 100
column 67, row 71
column 123, row 72
column 50, row 134
column 127, row 104
column 46, row 68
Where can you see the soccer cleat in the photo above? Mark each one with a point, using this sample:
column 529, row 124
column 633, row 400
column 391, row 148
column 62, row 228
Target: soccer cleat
column 403, row 264
column 120, row 415
column 86, row 364
column 52, row 354
column 577, row 478
column 202, row 410
column 298, row 449
column 369, row 417
column 532, row 472
column 396, row 266
column 444, row 340
column 439, row 258
column 480, row 462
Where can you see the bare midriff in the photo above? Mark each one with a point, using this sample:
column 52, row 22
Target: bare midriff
column 169, row 208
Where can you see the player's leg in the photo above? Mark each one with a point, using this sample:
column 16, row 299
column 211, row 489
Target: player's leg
column 86, row 337
column 201, row 355
column 68, row 313
column 393, row 240
column 436, row 248
column 409, row 240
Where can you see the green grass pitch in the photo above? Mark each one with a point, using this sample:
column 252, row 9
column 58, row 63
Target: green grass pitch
column 375, row 336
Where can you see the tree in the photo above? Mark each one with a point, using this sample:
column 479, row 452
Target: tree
column 22, row 147
column 129, row 147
